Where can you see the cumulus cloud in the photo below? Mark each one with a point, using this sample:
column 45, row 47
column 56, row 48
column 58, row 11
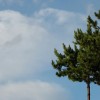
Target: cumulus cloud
column 66, row 19
column 27, row 43
column 36, row 90
column 21, row 41
column 26, row 50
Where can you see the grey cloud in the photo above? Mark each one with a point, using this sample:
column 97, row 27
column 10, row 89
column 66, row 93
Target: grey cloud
column 16, row 40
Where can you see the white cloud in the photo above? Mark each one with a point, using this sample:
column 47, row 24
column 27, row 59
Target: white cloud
column 27, row 43
column 20, row 41
column 26, row 50
column 68, row 20
column 36, row 90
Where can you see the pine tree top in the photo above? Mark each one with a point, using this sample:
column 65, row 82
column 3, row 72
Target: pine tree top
column 81, row 63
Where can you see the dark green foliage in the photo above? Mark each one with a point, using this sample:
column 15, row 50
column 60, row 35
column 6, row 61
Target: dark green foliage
column 97, row 14
column 81, row 63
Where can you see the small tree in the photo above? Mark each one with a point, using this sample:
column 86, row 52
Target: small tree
column 81, row 63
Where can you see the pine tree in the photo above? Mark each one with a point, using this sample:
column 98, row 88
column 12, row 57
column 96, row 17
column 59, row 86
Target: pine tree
column 81, row 63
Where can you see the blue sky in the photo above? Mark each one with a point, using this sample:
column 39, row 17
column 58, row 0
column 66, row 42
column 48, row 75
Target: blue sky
column 29, row 32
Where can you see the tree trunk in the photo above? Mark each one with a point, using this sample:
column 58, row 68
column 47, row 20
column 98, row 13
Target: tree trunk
column 88, row 91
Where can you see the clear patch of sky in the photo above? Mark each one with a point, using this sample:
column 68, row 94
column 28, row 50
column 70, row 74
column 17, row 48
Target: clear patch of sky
column 25, row 7
column 28, row 7
column 75, row 5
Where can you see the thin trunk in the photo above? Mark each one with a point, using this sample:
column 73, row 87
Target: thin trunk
column 88, row 91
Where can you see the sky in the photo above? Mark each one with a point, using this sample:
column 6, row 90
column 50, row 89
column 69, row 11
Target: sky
column 29, row 32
